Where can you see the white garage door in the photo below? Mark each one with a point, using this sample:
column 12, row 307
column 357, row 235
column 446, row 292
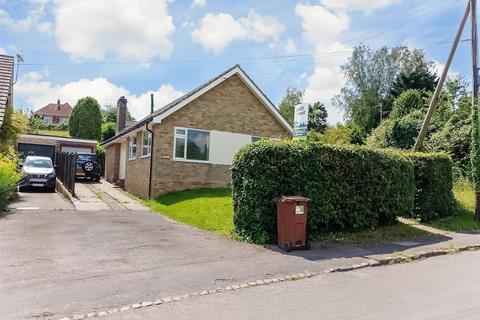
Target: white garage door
column 75, row 149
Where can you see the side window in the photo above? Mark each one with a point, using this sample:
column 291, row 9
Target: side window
column 132, row 148
column 146, row 143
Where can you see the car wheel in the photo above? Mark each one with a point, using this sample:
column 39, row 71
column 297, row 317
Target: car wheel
column 88, row 166
column 21, row 189
column 97, row 179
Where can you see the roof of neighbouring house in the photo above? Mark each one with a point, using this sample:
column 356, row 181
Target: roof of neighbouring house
column 186, row 98
column 55, row 110
column 6, row 80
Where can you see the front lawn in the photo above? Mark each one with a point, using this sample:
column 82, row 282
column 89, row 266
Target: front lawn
column 463, row 220
column 56, row 133
column 211, row 209
column 207, row 209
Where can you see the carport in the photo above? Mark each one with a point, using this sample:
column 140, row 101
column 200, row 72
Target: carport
column 44, row 145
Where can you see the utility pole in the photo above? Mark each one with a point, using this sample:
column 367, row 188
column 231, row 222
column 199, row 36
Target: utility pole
column 438, row 89
column 476, row 114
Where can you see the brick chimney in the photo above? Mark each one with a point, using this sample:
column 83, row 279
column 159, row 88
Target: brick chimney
column 121, row 113
column 58, row 104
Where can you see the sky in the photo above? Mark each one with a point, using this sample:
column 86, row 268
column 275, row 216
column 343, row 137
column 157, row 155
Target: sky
column 112, row 48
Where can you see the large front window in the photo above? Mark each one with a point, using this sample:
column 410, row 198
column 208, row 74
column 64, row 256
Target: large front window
column 191, row 145
column 132, row 148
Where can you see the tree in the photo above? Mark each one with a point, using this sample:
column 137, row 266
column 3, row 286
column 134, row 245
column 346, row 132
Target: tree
column 86, row 119
column 35, row 123
column 370, row 76
column 406, row 102
column 317, row 117
column 109, row 114
column 292, row 97
column 15, row 122
column 108, row 130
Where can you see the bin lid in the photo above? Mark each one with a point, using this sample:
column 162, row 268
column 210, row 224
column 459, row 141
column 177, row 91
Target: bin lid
column 292, row 199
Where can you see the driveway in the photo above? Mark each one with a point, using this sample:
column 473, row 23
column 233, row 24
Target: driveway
column 38, row 199
column 56, row 263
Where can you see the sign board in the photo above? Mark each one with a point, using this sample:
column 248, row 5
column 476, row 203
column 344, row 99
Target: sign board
column 300, row 121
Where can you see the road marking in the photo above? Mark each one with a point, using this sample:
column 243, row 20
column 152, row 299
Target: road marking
column 27, row 208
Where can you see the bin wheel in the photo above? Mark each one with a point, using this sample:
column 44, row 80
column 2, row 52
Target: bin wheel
column 287, row 246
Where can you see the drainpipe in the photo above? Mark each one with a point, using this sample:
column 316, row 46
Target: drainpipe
column 151, row 149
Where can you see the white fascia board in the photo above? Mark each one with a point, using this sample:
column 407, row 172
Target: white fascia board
column 37, row 136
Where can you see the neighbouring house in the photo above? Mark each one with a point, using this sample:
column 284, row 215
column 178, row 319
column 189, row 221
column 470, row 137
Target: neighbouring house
column 6, row 84
column 194, row 137
column 54, row 113
column 47, row 146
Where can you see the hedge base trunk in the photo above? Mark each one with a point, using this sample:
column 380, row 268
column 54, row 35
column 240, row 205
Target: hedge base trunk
column 477, row 205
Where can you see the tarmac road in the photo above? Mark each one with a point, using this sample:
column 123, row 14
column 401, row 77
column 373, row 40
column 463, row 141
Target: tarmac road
column 446, row 287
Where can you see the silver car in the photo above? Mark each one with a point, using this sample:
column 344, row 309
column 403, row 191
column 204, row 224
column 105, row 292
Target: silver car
column 38, row 172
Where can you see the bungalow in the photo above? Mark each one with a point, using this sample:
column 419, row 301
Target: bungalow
column 54, row 113
column 190, row 142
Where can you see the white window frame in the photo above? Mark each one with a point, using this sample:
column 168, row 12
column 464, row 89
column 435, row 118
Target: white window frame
column 184, row 136
column 47, row 119
column 148, row 146
column 131, row 146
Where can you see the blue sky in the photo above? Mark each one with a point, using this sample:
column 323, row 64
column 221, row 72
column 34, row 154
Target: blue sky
column 110, row 48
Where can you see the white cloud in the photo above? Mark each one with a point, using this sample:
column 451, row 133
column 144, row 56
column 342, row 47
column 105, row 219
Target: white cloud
column 125, row 29
column 366, row 6
column 38, row 92
column 198, row 3
column 216, row 32
column 3, row 51
column 31, row 20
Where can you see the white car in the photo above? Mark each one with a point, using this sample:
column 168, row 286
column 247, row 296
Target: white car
column 38, row 172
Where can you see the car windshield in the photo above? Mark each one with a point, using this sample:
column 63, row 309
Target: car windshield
column 86, row 157
column 38, row 163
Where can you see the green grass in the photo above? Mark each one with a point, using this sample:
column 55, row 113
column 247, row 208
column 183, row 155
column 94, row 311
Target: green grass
column 463, row 220
column 211, row 209
column 384, row 234
column 207, row 209
column 57, row 133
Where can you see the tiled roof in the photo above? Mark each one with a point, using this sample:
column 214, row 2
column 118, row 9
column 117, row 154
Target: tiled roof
column 55, row 110
column 6, row 80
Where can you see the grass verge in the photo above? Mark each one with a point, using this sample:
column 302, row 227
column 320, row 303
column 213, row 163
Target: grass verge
column 56, row 133
column 207, row 209
column 463, row 220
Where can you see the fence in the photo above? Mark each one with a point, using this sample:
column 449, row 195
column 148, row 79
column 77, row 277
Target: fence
column 65, row 169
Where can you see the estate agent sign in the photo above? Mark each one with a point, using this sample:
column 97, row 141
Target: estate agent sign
column 300, row 121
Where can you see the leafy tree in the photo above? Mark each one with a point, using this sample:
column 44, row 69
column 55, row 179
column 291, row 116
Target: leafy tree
column 86, row 119
column 370, row 76
column 108, row 130
column 407, row 102
column 292, row 97
column 340, row 135
column 109, row 114
column 35, row 123
column 317, row 117
column 455, row 88
column 15, row 122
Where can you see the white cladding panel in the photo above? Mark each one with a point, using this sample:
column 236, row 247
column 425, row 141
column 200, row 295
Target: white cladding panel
column 224, row 145
column 75, row 149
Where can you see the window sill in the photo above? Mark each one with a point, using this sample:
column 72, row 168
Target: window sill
column 191, row 161
column 131, row 159
column 145, row 156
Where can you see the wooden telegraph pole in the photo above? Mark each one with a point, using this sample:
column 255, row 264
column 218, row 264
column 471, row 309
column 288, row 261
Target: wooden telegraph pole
column 476, row 114
column 438, row 89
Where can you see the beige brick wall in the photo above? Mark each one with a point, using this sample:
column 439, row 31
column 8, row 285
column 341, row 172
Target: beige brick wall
column 230, row 107
column 112, row 162
column 137, row 172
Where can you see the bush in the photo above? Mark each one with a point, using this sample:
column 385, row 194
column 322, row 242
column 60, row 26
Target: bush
column 86, row 120
column 433, row 184
column 8, row 181
column 350, row 188
column 100, row 151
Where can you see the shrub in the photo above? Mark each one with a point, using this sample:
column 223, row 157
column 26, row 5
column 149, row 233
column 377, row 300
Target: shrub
column 350, row 187
column 408, row 101
column 433, row 185
column 8, row 180
column 100, row 151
